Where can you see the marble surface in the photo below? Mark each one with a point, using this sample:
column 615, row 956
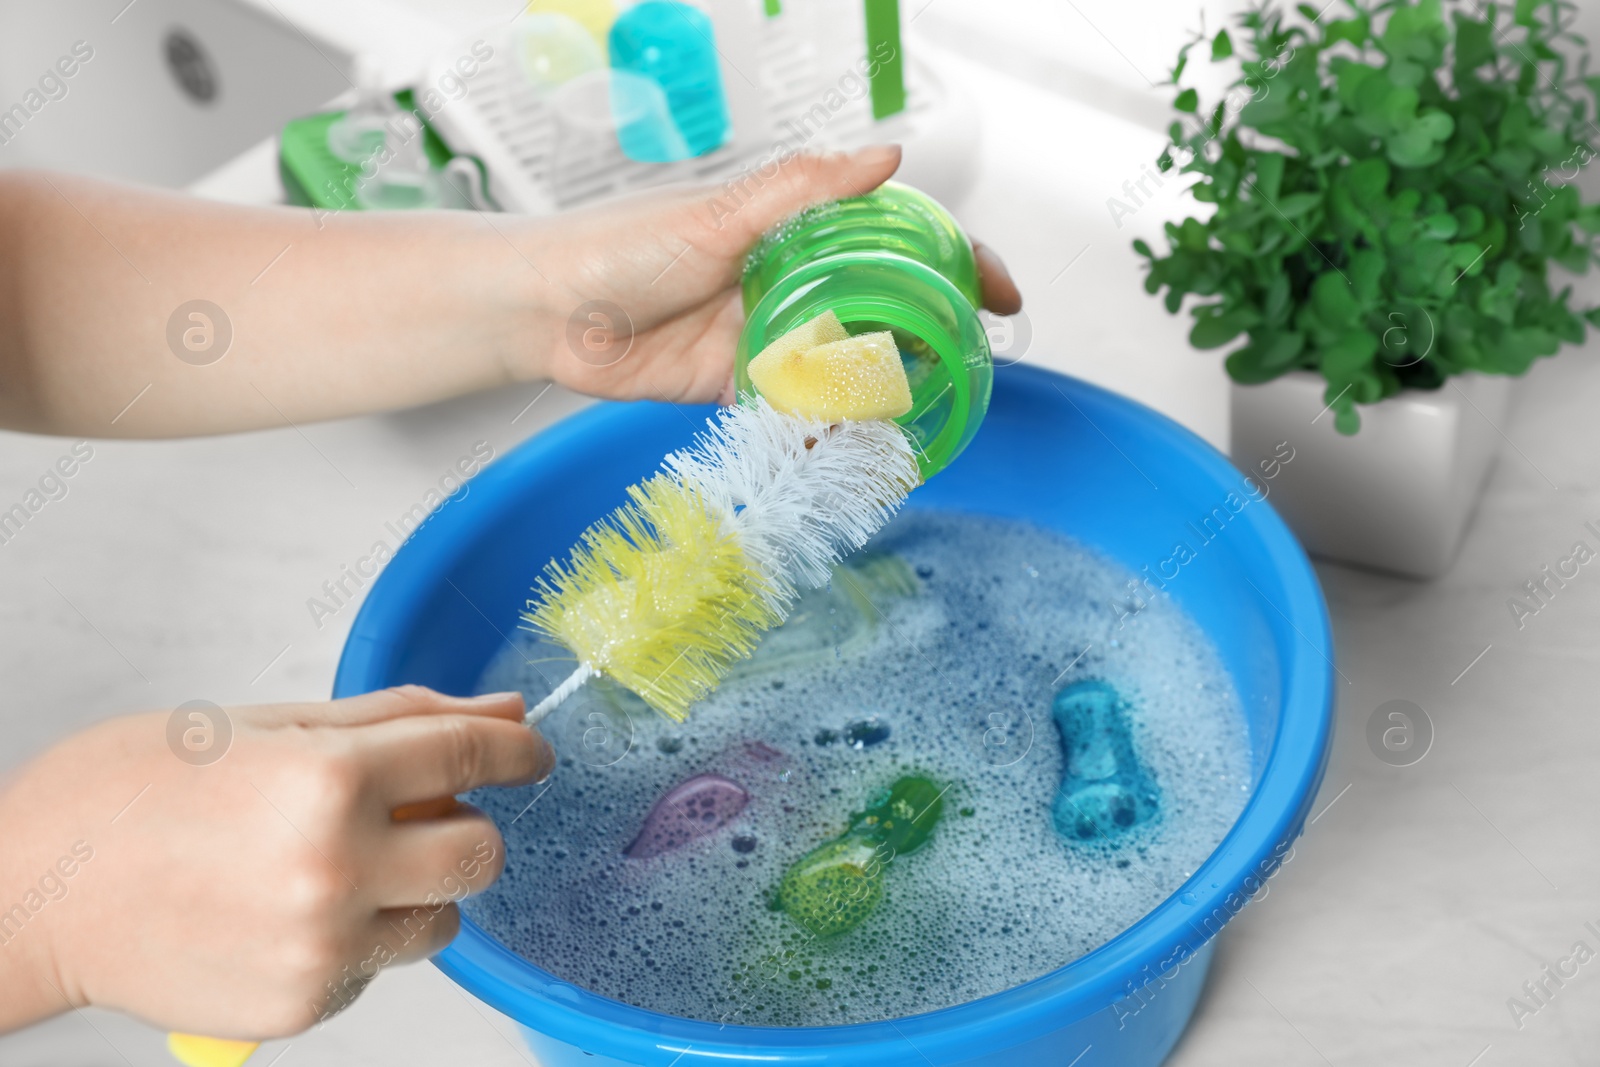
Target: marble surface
column 1419, row 900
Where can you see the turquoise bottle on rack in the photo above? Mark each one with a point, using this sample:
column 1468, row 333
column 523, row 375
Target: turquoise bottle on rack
column 672, row 45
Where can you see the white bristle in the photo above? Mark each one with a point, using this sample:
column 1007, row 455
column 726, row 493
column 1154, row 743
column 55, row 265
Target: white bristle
column 800, row 493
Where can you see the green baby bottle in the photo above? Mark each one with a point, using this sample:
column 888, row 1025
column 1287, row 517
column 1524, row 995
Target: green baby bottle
column 837, row 885
column 891, row 260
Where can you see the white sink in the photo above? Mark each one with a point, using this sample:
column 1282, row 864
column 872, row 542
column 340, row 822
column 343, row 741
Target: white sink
column 174, row 88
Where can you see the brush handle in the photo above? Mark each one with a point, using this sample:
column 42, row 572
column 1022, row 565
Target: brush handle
column 191, row 1050
column 561, row 692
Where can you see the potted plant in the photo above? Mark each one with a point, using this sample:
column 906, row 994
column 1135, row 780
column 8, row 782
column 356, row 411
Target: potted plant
column 1391, row 183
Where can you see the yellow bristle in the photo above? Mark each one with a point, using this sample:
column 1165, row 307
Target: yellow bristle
column 658, row 596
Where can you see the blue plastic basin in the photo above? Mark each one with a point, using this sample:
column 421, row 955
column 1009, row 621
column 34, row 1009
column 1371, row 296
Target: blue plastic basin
column 1053, row 450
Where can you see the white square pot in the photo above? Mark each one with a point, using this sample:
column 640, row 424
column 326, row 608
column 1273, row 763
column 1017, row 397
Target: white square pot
column 1398, row 494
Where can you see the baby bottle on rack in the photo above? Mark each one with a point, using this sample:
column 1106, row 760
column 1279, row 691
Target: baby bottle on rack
column 361, row 132
column 892, row 260
column 670, row 45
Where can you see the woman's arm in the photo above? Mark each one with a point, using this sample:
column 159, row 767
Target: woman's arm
column 344, row 313
column 328, row 317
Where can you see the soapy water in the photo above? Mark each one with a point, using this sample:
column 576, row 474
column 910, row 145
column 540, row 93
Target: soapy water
column 937, row 653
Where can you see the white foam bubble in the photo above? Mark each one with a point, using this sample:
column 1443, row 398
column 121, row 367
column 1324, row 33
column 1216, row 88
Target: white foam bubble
column 959, row 649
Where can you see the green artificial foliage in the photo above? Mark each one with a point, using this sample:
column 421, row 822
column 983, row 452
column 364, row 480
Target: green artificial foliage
column 1391, row 182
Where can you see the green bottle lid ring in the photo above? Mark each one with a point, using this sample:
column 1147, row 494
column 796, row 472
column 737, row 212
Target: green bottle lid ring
column 892, row 218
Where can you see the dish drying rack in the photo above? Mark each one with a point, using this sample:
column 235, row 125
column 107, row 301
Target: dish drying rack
column 793, row 80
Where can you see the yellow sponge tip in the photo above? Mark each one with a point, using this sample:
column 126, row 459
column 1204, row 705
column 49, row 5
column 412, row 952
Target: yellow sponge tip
column 192, row 1050
column 659, row 597
column 813, row 370
column 823, row 329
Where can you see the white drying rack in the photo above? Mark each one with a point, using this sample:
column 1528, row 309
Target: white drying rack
column 794, row 80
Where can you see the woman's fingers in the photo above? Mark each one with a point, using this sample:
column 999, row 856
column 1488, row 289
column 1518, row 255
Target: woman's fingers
column 390, row 936
column 405, row 700
column 439, row 859
column 412, row 933
column 432, row 866
column 420, row 757
column 1000, row 293
column 384, row 704
column 746, row 209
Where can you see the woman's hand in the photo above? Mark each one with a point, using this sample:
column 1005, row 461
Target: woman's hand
column 255, row 894
column 129, row 312
column 672, row 263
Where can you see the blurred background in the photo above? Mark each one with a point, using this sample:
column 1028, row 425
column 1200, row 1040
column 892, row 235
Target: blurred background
column 1422, row 897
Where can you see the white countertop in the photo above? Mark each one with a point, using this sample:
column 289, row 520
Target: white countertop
column 1419, row 900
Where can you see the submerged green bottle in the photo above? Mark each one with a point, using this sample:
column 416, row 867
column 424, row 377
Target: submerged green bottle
column 834, row 887
column 891, row 260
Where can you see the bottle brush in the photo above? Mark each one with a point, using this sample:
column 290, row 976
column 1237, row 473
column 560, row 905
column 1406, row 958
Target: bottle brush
column 665, row 594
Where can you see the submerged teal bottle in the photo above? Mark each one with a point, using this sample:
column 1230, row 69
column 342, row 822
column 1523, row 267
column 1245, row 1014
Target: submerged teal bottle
column 891, row 260
column 834, row 887
column 1106, row 791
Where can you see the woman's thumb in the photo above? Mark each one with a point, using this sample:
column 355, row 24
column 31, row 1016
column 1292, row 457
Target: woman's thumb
column 755, row 200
